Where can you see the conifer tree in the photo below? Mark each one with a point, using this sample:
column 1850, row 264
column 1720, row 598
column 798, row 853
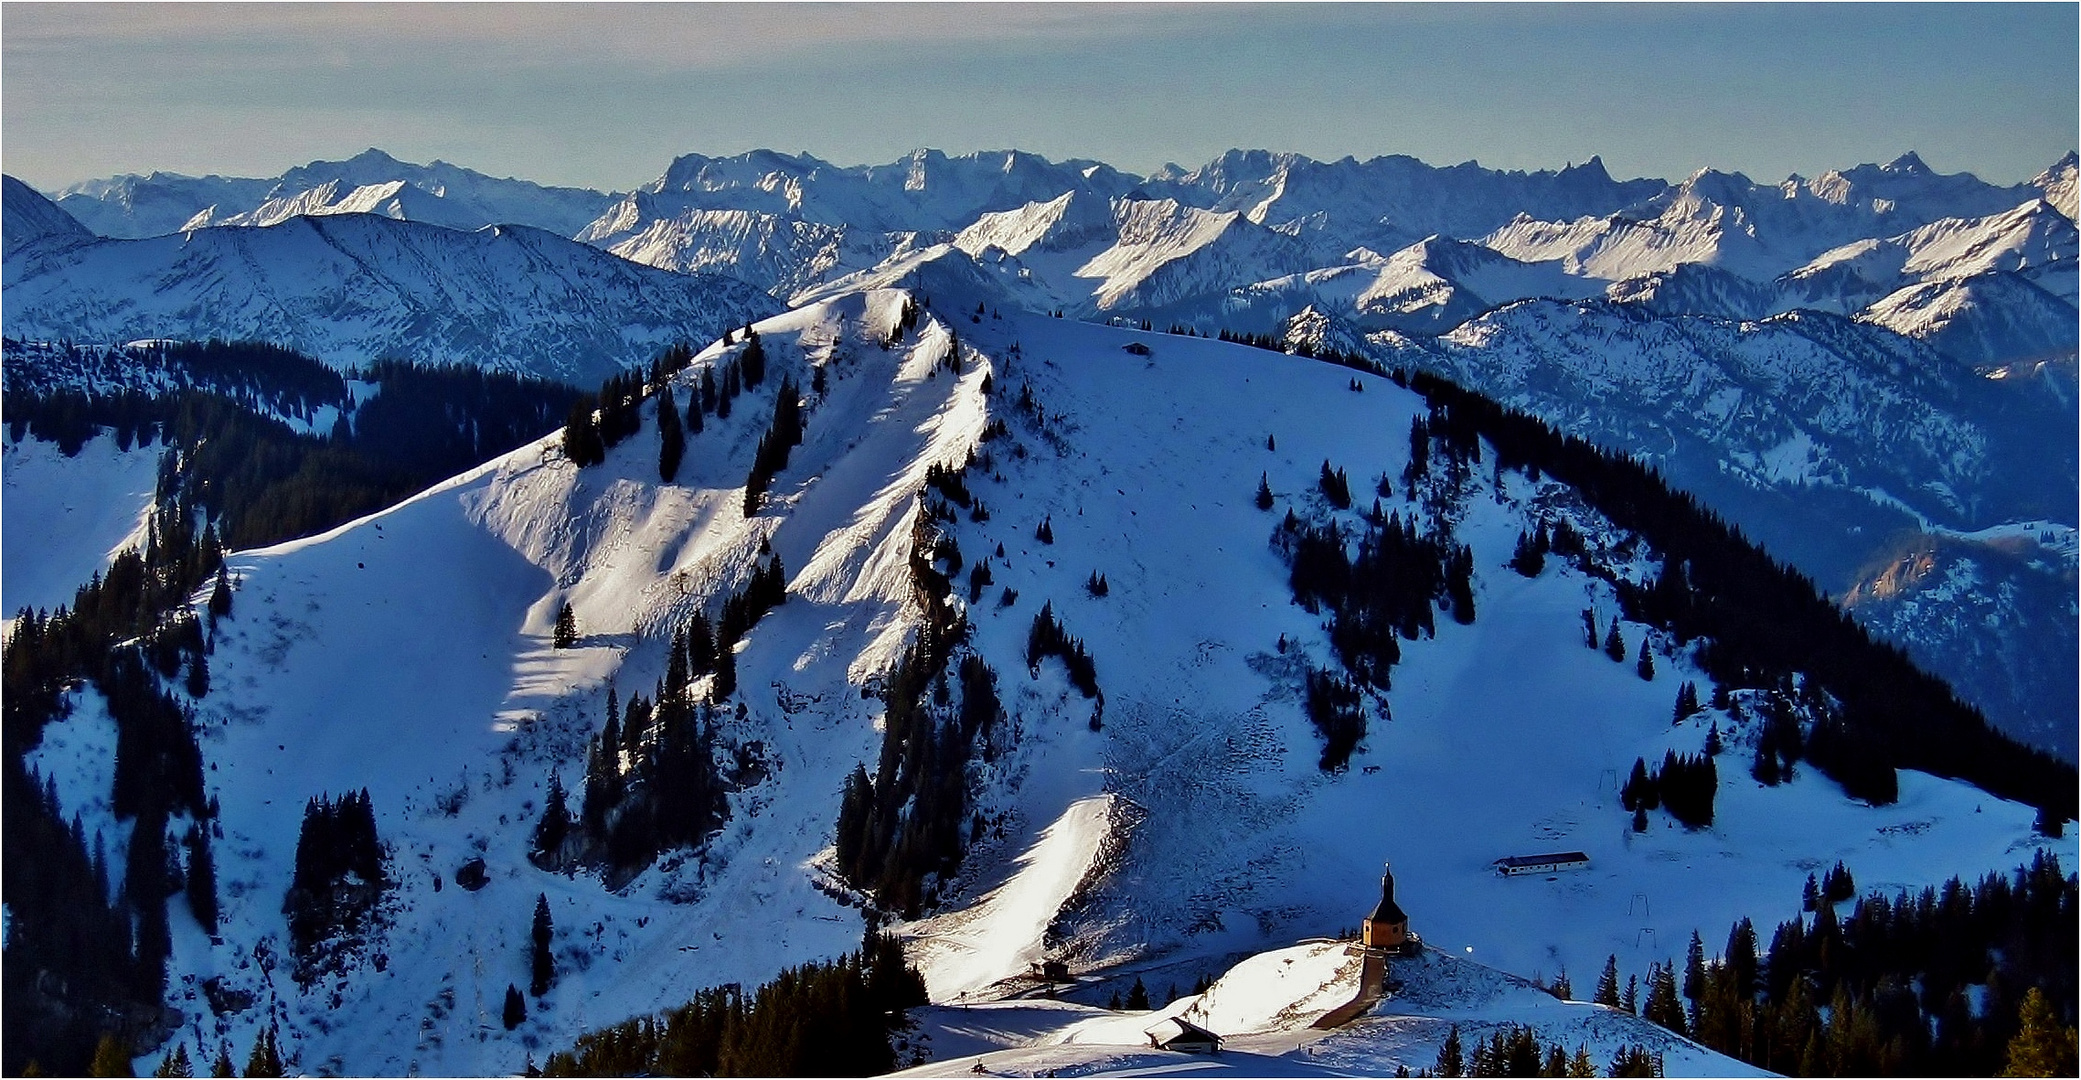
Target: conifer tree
column 541, row 966
column 1614, row 645
column 198, row 682
column 671, row 437
column 202, row 877
column 583, row 443
column 1694, row 970
column 516, row 1007
column 266, row 1058
column 725, row 682
column 111, row 1057
column 175, row 1063
column 565, row 634
column 1452, row 1060
column 220, row 1066
column 1608, row 983
column 1646, row 664
column 1335, row 487
column 1662, row 1006
column 556, row 820
column 1264, row 491
column 700, row 645
column 1138, row 996
column 2042, row 1046
column 220, row 596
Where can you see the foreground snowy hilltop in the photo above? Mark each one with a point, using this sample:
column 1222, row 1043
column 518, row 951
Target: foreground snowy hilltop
column 959, row 472
column 1095, row 671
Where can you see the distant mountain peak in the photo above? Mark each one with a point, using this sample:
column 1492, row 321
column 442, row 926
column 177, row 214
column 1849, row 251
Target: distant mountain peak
column 1909, row 163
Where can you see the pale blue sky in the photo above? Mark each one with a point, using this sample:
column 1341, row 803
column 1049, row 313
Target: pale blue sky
column 606, row 96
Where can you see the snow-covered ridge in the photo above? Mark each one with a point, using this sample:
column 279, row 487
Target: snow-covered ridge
column 36, row 223
column 370, row 182
column 350, row 288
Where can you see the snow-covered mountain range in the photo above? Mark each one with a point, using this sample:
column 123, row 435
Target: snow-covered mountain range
column 1163, row 829
column 352, row 288
column 1388, row 256
column 371, row 182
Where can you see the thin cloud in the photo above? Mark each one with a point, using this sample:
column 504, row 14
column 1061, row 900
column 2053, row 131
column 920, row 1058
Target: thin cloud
column 648, row 36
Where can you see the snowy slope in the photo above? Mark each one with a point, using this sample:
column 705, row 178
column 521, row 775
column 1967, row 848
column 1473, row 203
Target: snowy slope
column 2058, row 184
column 34, row 223
column 1990, row 321
column 1264, row 1008
column 370, row 182
column 1241, row 839
column 348, row 289
column 477, row 566
column 1819, row 437
column 782, row 255
column 62, row 518
column 1192, row 827
column 2033, row 239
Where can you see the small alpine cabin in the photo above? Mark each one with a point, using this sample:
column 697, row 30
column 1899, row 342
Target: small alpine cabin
column 1549, row 863
column 1388, row 926
column 1183, row 1036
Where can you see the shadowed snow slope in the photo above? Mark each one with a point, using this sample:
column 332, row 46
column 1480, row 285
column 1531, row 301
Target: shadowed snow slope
column 67, row 517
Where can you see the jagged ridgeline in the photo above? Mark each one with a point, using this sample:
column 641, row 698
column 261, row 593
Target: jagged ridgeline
column 273, row 444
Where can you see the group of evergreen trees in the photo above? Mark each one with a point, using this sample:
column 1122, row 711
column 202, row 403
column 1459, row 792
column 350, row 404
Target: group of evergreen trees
column 1761, row 622
column 260, row 479
column 909, row 823
column 1684, row 784
column 132, row 386
column 1961, row 980
column 597, row 422
column 781, row 437
column 1334, row 707
column 819, row 1019
column 74, row 972
column 1390, row 589
column 81, row 961
column 1516, row 1050
column 339, row 874
column 1048, row 638
column 653, row 781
